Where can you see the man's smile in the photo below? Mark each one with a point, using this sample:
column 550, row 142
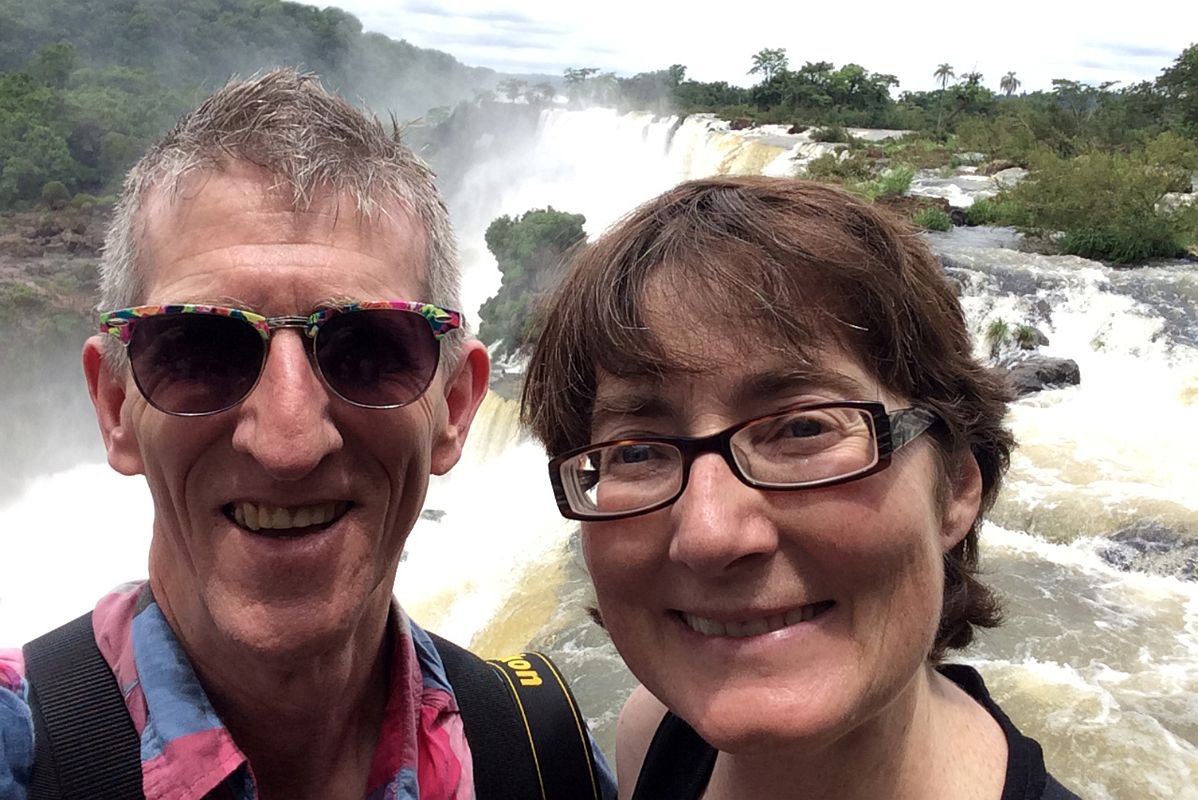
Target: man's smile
column 285, row 520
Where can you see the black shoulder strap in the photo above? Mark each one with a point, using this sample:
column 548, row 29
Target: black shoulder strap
column 527, row 737
column 85, row 745
column 677, row 765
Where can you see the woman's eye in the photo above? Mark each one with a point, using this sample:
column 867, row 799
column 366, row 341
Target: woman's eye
column 805, row 427
column 633, row 454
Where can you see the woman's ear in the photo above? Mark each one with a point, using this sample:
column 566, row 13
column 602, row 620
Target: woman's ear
column 964, row 502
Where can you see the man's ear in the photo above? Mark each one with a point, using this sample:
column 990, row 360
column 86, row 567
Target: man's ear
column 108, row 394
column 965, row 500
column 464, row 393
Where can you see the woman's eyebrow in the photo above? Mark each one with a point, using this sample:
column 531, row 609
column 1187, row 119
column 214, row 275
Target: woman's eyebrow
column 791, row 379
column 616, row 406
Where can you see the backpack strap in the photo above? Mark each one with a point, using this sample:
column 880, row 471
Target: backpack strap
column 85, row 745
column 677, row 765
column 527, row 736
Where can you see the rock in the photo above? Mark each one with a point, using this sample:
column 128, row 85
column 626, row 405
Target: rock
column 1172, row 202
column 1033, row 373
column 996, row 166
column 795, row 130
column 46, row 229
column 740, row 123
column 1029, row 337
column 907, row 205
column 958, row 216
column 1009, row 177
column 1148, row 546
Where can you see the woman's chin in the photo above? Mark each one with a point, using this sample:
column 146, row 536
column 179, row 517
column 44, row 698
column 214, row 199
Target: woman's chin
column 739, row 727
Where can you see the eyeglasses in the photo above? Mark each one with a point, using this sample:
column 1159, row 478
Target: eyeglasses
column 822, row 444
column 193, row 360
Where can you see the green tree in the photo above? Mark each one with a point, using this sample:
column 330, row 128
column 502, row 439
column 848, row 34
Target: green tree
column 512, row 88
column 529, row 250
column 1009, row 84
column 944, row 73
column 53, row 64
column 769, row 62
column 1179, row 86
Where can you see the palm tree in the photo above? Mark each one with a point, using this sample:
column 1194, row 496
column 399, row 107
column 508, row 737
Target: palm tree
column 944, row 73
column 1009, row 84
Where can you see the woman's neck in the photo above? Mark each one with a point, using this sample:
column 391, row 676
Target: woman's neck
column 933, row 741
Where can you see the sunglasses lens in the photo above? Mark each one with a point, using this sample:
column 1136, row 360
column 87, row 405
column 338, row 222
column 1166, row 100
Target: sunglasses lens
column 378, row 357
column 195, row 363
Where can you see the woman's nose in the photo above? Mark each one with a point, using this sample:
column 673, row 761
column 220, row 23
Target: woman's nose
column 719, row 522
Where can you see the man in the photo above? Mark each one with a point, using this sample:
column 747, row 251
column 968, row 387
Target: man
column 280, row 359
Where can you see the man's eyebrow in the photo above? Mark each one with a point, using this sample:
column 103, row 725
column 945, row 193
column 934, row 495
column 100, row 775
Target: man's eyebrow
column 790, row 379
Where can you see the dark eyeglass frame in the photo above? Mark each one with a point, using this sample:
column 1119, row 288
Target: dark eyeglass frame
column 122, row 322
column 892, row 430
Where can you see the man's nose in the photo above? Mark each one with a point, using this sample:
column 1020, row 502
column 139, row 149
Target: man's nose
column 719, row 523
column 285, row 423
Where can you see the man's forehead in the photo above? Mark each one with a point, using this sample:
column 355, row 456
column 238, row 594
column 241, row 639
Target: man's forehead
column 236, row 215
column 201, row 196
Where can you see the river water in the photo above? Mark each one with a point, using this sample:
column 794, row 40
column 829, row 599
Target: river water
column 1094, row 543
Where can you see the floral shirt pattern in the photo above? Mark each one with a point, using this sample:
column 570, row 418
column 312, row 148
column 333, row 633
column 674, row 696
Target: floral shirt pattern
column 186, row 752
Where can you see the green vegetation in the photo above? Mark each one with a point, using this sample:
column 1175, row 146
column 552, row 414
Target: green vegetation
column 892, row 182
column 932, row 219
column 529, row 250
column 997, row 336
column 85, row 85
column 1104, row 206
column 999, row 210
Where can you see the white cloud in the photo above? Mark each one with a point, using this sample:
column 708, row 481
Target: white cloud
column 1038, row 39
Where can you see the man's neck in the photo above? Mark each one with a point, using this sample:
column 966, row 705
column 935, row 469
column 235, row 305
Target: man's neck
column 308, row 725
column 932, row 742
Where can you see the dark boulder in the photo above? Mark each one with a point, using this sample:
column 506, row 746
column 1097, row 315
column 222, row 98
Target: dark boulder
column 740, row 123
column 794, row 130
column 1033, row 373
column 1151, row 547
column 1029, row 337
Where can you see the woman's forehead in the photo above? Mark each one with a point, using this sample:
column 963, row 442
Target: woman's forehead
column 736, row 374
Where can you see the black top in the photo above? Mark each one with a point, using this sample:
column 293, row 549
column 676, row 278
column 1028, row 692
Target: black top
column 678, row 763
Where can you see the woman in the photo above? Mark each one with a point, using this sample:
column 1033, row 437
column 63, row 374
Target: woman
column 760, row 400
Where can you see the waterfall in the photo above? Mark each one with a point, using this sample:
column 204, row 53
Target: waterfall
column 1099, row 655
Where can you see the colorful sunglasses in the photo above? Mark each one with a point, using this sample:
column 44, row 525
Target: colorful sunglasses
column 193, row 360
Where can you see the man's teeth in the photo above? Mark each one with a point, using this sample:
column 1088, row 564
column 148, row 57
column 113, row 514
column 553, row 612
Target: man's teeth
column 753, row 627
column 256, row 517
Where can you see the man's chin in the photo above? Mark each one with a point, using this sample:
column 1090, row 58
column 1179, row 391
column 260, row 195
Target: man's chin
column 289, row 630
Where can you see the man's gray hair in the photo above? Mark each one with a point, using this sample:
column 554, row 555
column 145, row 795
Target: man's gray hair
column 314, row 144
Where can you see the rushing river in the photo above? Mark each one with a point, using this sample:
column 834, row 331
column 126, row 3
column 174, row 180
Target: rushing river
column 1094, row 543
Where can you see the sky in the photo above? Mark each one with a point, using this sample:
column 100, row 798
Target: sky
column 1088, row 41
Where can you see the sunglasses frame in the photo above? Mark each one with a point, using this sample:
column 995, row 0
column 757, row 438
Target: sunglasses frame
column 120, row 324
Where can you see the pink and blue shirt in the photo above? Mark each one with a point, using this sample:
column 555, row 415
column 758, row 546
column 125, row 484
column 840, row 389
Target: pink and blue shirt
column 186, row 751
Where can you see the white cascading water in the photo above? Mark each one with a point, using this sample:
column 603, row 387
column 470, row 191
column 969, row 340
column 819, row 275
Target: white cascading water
column 1099, row 663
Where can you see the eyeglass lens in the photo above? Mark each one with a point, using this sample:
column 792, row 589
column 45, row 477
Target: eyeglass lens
column 204, row 363
column 194, row 363
column 377, row 358
column 799, row 447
